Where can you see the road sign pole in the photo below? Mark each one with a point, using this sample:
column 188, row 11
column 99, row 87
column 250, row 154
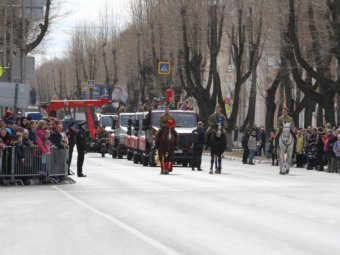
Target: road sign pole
column 15, row 110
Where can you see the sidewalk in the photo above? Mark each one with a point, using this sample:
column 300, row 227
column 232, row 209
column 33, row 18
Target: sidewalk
column 236, row 154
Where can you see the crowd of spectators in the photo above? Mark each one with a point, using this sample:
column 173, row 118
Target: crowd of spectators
column 20, row 132
column 314, row 148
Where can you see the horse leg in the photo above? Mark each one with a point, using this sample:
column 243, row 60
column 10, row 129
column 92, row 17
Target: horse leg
column 280, row 162
column 219, row 164
column 162, row 167
column 216, row 167
column 170, row 166
column 211, row 163
column 161, row 160
column 166, row 167
column 171, row 159
column 289, row 160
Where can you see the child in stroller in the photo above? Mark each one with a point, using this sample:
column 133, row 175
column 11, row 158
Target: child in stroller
column 312, row 160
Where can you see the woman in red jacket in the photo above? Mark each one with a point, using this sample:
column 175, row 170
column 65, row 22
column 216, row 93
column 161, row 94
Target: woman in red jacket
column 43, row 149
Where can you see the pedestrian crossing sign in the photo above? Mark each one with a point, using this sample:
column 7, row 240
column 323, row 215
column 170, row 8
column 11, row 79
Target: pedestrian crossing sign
column 84, row 87
column 91, row 84
column 163, row 67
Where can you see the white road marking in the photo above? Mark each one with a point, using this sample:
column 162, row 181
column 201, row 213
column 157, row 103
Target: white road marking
column 309, row 216
column 331, row 221
column 291, row 212
column 163, row 248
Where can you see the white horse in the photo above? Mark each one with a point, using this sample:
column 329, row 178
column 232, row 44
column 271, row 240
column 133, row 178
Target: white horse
column 285, row 149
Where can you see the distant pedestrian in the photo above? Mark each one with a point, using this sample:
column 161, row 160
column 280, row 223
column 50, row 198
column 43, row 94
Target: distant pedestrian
column 81, row 148
column 299, row 149
column 198, row 136
column 261, row 141
column 252, row 147
column 244, row 142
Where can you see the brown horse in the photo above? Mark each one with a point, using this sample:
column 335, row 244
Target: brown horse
column 166, row 147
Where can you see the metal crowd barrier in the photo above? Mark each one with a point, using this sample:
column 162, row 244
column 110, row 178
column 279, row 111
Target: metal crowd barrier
column 50, row 168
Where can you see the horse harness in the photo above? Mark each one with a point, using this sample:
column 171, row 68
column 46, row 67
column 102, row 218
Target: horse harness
column 287, row 144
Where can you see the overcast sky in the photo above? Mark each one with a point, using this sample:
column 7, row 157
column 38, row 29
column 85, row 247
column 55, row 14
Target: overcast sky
column 78, row 12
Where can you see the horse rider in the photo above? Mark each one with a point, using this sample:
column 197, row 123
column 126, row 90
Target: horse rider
column 284, row 118
column 215, row 118
column 163, row 123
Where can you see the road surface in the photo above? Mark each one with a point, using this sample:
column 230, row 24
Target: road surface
column 123, row 208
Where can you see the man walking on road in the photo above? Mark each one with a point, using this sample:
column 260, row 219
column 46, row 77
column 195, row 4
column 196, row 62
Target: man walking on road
column 198, row 136
column 81, row 148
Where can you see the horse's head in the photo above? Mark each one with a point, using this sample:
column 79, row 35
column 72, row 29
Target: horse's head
column 218, row 129
column 286, row 132
column 170, row 124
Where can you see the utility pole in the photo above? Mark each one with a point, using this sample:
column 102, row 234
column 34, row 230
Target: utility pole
column 5, row 37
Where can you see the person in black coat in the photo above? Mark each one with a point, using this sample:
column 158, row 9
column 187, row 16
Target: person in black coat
column 19, row 151
column 198, row 140
column 57, row 138
column 244, row 142
column 72, row 140
column 81, row 148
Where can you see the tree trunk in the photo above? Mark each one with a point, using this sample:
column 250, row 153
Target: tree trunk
column 106, row 68
column 250, row 118
column 281, row 99
column 78, row 80
column 319, row 116
column 309, row 113
column 329, row 110
column 270, row 103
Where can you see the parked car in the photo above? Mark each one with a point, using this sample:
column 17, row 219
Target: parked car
column 131, row 137
column 116, row 139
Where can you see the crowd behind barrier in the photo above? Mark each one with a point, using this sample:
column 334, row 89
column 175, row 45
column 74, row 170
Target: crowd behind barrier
column 32, row 149
column 50, row 168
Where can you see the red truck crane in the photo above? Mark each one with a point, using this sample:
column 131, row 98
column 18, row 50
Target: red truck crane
column 55, row 105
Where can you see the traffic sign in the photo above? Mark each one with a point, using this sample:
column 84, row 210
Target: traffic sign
column 163, row 67
column 91, row 84
column 0, row 71
column 84, row 87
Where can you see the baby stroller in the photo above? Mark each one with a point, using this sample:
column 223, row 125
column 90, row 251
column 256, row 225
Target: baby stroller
column 312, row 161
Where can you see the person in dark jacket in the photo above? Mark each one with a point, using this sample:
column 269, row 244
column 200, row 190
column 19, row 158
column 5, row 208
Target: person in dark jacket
column 81, row 148
column 244, row 142
column 72, row 140
column 261, row 141
column 319, row 149
column 56, row 137
column 19, row 150
column 198, row 140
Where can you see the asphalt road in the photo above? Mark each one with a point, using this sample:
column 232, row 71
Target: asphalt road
column 122, row 208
